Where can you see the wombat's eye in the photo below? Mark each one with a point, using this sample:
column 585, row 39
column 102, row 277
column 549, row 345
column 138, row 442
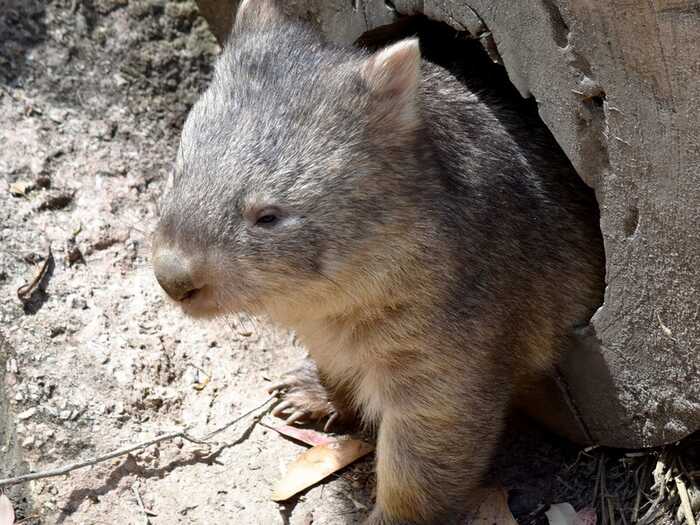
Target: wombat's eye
column 267, row 218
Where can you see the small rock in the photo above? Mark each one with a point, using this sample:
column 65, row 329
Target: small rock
column 43, row 181
column 57, row 115
column 26, row 414
column 12, row 366
column 73, row 254
column 28, row 442
column 33, row 258
column 119, row 80
column 108, row 241
column 64, row 414
column 102, row 129
column 20, row 188
column 55, row 331
column 76, row 302
column 57, row 152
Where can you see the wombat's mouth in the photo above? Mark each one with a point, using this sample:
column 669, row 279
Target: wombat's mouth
column 199, row 303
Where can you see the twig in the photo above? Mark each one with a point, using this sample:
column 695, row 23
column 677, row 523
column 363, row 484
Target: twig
column 24, row 291
column 604, row 503
column 611, row 510
column 638, row 482
column 139, row 501
column 231, row 423
column 182, row 433
column 596, row 487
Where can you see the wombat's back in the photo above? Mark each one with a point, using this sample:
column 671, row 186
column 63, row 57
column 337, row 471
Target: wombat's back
column 521, row 222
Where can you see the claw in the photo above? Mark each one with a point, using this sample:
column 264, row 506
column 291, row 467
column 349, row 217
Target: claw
column 295, row 416
column 279, row 387
column 279, row 409
column 284, row 384
column 331, row 419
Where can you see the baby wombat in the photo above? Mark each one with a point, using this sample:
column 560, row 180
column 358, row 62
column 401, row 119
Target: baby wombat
column 430, row 252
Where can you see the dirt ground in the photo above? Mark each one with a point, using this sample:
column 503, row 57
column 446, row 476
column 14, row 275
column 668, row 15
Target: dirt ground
column 92, row 97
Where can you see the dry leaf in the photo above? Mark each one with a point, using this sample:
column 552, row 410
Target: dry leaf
column 493, row 508
column 7, row 513
column 564, row 514
column 317, row 463
column 305, row 435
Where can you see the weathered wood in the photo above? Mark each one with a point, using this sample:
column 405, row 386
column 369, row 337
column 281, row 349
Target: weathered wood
column 618, row 84
column 219, row 16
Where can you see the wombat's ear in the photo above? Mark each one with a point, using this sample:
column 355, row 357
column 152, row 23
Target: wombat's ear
column 393, row 76
column 257, row 13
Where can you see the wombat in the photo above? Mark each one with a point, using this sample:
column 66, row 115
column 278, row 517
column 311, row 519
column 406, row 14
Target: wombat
column 430, row 251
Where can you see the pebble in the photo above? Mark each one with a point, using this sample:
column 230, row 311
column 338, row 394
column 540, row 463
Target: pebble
column 102, row 129
column 12, row 367
column 57, row 115
column 76, row 302
column 26, row 414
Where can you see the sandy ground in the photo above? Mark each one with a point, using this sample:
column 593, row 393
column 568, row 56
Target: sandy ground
column 92, row 96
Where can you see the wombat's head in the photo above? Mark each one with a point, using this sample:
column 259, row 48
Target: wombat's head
column 293, row 172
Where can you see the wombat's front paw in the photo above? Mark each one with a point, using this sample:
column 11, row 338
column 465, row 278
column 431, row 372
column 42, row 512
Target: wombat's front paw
column 304, row 398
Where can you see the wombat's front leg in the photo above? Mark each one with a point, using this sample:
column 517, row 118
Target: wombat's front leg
column 430, row 461
column 305, row 397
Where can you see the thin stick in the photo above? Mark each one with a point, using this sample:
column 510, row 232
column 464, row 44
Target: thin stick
column 182, row 433
column 603, row 492
column 611, row 510
column 638, row 498
column 139, row 501
column 230, row 423
column 24, row 291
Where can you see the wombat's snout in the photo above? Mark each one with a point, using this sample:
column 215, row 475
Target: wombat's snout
column 173, row 272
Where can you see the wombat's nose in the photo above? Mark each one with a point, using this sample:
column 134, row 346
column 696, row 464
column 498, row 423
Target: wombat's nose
column 173, row 274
